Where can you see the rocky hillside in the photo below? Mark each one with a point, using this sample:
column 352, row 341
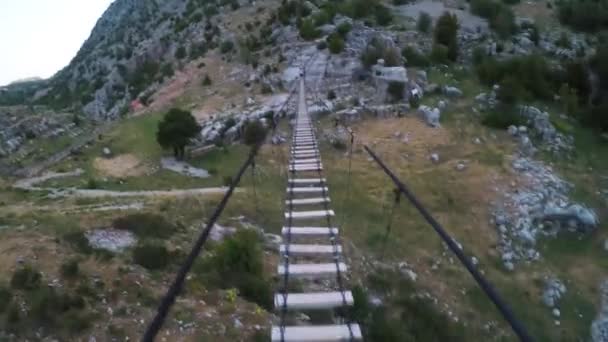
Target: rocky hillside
column 133, row 47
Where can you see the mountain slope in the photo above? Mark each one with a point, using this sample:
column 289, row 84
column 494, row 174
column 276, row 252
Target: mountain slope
column 133, row 47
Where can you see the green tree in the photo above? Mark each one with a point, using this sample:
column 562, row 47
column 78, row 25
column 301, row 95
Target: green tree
column 175, row 131
column 255, row 133
column 424, row 22
column 446, row 31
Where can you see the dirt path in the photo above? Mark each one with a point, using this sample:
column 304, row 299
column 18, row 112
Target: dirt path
column 29, row 184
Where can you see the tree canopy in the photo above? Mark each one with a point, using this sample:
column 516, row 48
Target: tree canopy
column 175, row 131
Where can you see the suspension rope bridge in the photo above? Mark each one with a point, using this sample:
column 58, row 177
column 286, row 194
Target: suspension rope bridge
column 311, row 256
column 322, row 255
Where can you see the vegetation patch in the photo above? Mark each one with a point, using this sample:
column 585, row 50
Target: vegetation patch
column 238, row 263
column 152, row 256
column 146, row 225
column 403, row 316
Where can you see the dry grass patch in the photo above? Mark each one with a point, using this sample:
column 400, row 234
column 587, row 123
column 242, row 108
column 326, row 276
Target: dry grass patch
column 124, row 165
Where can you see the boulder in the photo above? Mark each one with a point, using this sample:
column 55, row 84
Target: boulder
column 431, row 116
column 554, row 290
column 452, row 91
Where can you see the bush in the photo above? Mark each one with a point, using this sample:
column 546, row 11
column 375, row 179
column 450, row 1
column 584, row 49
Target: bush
column 445, row 34
column 502, row 117
column 383, row 15
column 395, row 90
column 206, row 81
column 5, row 298
column 26, row 278
column 344, row 28
column 499, row 15
column 180, row 53
column 308, row 30
column 92, row 184
column 378, row 49
column 424, row 22
column 238, row 262
column 145, row 225
column 335, row 43
column 70, row 268
column 151, row 256
column 534, row 75
column 414, row 58
column 331, row 95
column 322, row 45
column 79, row 242
column 403, row 316
column 439, row 54
column 588, row 16
column 255, row 133
column 510, row 91
column 226, row 46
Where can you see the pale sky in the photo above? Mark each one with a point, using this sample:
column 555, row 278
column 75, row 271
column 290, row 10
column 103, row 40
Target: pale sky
column 40, row 37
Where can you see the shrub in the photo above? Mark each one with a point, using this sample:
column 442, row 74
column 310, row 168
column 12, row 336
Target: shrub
column 445, row 34
column 378, row 49
column 335, row 43
column 500, row 16
column 79, row 242
column 5, row 298
column 383, row 15
column 424, row 22
column 145, row 225
column 181, row 52
column 70, row 268
column 206, row 81
column 502, row 117
column 322, row 45
column 92, row 184
column 255, row 133
column 167, row 70
column 414, row 58
column 589, row 16
column 308, row 30
column 563, row 41
column 395, row 90
column 439, row 54
column 26, row 278
column 344, row 28
column 226, row 46
column 403, row 316
column 238, row 262
column 227, row 180
column 510, row 91
column 331, row 95
column 151, row 256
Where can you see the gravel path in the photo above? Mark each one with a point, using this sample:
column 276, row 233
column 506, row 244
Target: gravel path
column 29, row 184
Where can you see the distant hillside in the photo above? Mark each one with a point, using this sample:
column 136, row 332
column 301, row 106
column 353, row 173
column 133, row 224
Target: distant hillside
column 134, row 46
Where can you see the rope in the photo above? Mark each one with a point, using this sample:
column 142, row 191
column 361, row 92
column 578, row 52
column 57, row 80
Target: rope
column 176, row 287
column 348, row 178
column 389, row 225
column 488, row 288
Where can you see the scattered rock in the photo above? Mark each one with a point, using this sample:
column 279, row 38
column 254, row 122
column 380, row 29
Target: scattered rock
column 112, row 240
column 432, row 116
column 106, row 152
column 554, row 290
column 452, row 91
column 434, row 157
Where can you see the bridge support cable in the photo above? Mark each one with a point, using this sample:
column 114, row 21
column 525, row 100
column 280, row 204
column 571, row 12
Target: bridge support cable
column 502, row 306
column 178, row 283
